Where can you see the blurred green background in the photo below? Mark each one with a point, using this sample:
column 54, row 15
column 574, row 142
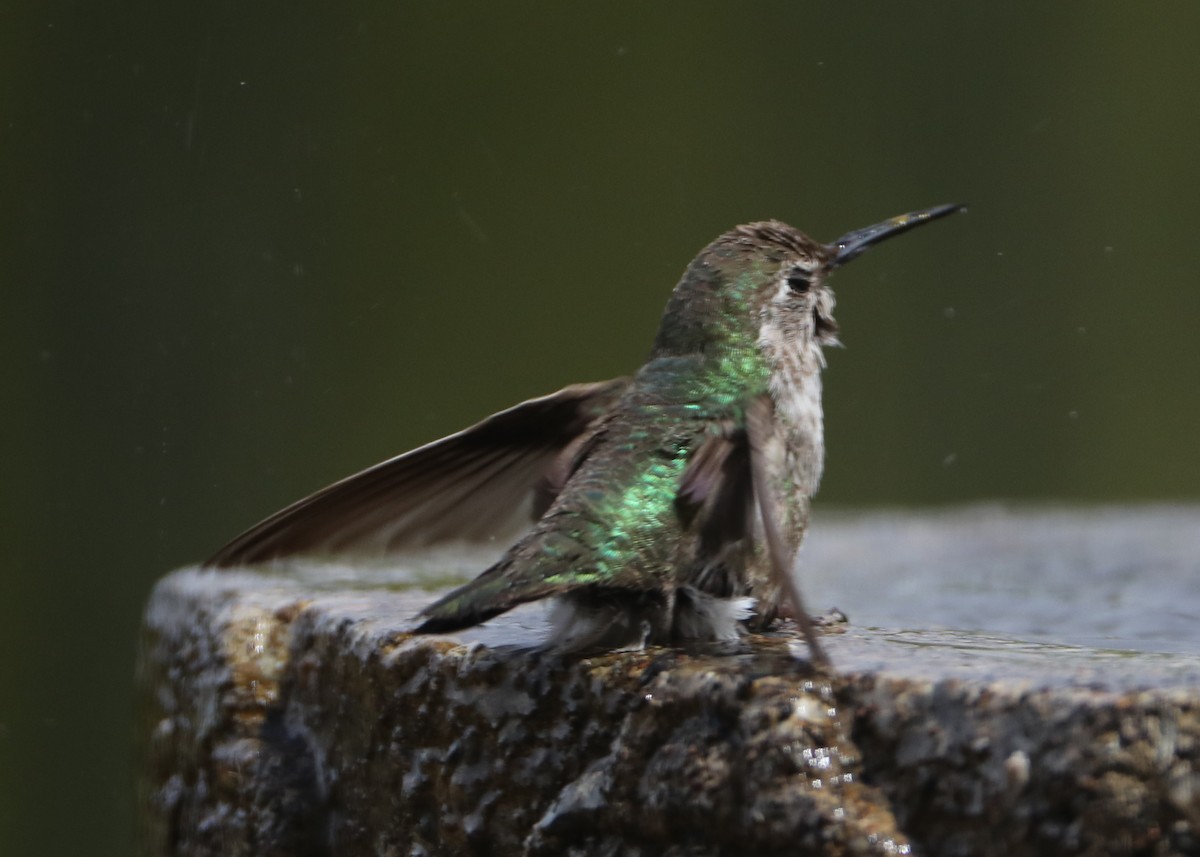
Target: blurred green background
column 249, row 248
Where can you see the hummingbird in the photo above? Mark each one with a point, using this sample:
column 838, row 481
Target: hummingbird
column 660, row 508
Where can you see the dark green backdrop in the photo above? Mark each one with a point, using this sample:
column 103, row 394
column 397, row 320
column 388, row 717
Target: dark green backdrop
column 250, row 247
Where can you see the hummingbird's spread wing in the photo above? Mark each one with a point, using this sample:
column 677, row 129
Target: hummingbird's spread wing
column 483, row 483
column 716, row 487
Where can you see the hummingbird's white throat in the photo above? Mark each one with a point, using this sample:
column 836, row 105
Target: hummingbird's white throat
column 790, row 342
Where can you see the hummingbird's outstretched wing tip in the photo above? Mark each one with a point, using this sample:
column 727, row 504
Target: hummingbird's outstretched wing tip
column 481, row 484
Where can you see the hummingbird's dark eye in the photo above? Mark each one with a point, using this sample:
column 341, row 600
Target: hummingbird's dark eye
column 798, row 282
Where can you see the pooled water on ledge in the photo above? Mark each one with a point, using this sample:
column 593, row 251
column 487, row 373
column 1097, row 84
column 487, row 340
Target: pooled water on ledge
column 1109, row 578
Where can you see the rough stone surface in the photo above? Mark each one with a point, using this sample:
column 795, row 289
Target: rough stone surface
column 291, row 714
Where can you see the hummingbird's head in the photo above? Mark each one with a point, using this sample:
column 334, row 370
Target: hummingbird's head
column 782, row 278
column 767, row 284
column 756, row 274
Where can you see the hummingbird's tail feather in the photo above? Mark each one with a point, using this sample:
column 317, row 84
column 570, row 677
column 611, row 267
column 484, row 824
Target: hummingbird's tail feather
column 492, row 593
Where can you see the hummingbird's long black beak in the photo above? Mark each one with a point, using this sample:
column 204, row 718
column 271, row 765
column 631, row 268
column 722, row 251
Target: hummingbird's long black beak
column 853, row 243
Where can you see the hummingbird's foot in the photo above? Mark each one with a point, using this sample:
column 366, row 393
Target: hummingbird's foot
column 823, row 620
column 830, row 619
